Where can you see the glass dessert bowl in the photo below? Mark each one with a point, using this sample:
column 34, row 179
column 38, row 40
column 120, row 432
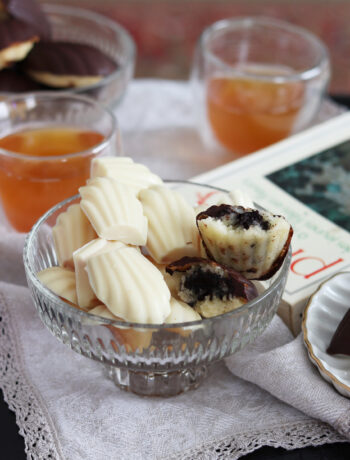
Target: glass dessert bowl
column 147, row 359
column 78, row 26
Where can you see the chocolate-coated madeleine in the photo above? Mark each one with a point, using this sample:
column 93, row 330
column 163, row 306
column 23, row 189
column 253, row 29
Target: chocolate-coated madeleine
column 210, row 288
column 14, row 81
column 250, row 241
column 16, row 40
column 66, row 65
column 3, row 13
column 29, row 12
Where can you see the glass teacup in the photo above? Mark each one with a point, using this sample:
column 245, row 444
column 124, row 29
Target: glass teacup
column 46, row 146
column 256, row 81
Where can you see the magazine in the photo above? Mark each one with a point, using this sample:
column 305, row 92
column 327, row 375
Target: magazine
column 306, row 178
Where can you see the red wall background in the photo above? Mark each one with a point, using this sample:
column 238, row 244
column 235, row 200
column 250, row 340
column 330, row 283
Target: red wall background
column 166, row 30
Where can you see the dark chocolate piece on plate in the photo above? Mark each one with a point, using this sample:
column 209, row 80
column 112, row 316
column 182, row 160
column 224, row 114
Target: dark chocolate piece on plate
column 14, row 81
column 30, row 13
column 340, row 343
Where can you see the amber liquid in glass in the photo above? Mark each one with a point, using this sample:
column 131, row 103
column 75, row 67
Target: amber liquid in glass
column 247, row 114
column 29, row 187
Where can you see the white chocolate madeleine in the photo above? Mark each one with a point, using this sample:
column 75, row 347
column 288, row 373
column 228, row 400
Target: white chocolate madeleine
column 252, row 242
column 161, row 267
column 102, row 310
column 125, row 171
column 72, row 231
column 239, row 197
column 129, row 337
column 60, row 281
column 172, row 231
column 86, row 297
column 129, row 285
column 181, row 312
column 114, row 211
column 99, row 166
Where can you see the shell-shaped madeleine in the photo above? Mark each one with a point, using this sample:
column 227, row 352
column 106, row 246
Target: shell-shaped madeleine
column 251, row 242
column 99, row 166
column 129, row 285
column 181, row 312
column 102, row 310
column 114, row 211
column 130, row 338
column 125, row 171
column 72, row 230
column 85, row 295
column 60, row 281
column 239, row 197
column 172, row 231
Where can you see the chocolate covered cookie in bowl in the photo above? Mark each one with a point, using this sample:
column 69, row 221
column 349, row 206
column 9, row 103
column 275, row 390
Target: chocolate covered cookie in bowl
column 132, row 274
column 46, row 46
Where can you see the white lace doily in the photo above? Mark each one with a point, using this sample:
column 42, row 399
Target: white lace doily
column 65, row 406
column 67, row 409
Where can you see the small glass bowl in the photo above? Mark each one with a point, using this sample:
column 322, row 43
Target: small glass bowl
column 147, row 359
column 77, row 25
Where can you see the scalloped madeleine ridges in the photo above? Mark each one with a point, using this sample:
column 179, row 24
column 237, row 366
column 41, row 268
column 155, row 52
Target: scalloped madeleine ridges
column 61, row 281
column 85, row 295
column 129, row 285
column 114, row 211
column 72, row 231
column 125, row 171
column 172, row 231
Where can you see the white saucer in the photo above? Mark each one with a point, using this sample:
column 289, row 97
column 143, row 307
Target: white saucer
column 322, row 315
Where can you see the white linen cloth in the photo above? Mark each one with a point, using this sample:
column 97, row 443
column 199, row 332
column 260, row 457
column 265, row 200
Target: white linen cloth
column 65, row 405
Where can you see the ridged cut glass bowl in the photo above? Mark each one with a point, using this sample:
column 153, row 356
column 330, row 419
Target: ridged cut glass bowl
column 160, row 360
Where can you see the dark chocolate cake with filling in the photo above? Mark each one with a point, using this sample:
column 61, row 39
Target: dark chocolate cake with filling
column 250, row 241
column 210, row 288
column 340, row 343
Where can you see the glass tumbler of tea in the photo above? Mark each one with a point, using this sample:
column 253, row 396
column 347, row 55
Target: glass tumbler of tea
column 47, row 142
column 256, row 81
